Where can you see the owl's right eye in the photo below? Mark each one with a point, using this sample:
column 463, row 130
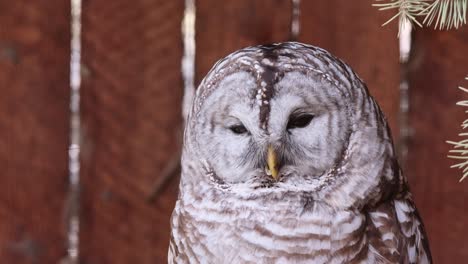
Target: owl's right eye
column 238, row 129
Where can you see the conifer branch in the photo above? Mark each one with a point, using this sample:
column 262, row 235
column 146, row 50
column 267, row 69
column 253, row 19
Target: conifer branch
column 441, row 14
column 459, row 151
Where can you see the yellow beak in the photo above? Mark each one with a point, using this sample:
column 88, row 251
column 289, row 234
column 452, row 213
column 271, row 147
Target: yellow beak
column 271, row 162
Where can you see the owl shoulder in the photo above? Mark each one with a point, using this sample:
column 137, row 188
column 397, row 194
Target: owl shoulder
column 396, row 232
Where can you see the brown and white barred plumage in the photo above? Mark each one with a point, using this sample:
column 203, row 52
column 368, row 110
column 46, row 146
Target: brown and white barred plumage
column 358, row 210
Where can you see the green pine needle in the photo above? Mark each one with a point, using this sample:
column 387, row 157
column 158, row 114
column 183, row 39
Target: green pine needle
column 443, row 14
column 447, row 14
column 460, row 148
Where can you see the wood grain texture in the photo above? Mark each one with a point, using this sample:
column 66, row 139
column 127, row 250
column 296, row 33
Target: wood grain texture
column 34, row 48
column 439, row 66
column 131, row 112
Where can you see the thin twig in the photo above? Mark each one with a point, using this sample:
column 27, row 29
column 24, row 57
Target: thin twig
column 73, row 201
column 295, row 19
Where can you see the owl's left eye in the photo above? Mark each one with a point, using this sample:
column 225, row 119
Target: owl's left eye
column 299, row 121
column 238, row 129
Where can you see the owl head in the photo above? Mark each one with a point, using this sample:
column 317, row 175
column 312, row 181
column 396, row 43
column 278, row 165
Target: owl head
column 287, row 119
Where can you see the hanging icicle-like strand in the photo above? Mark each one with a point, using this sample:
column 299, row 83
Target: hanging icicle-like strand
column 73, row 218
column 188, row 59
column 405, row 129
column 295, row 19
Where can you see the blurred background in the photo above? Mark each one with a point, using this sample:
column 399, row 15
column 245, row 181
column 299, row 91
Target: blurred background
column 131, row 114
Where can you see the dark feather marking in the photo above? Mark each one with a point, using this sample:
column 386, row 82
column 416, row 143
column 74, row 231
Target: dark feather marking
column 269, row 76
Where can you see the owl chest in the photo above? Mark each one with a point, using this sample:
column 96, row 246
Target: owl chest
column 248, row 236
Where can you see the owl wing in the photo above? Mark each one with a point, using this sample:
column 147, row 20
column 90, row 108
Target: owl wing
column 172, row 252
column 396, row 232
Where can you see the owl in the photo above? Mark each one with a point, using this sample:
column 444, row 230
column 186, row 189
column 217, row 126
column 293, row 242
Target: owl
column 288, row 159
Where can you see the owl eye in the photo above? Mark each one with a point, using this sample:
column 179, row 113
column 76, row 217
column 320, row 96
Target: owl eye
column 238, row 129
column 299, row 121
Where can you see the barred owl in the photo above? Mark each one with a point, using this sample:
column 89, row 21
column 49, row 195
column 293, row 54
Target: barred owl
column 288, row 159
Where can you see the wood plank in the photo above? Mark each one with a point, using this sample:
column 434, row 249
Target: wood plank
column 34, row 57
column 438, row 68
column 131, row 115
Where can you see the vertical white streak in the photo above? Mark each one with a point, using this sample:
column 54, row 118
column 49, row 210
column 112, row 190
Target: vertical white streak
column 188, row 59
column 405, row 130
column 75, row 134
column 295, row 19
column 405, row 41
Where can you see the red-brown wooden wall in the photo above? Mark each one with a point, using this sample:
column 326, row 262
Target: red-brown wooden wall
column 131, row 96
